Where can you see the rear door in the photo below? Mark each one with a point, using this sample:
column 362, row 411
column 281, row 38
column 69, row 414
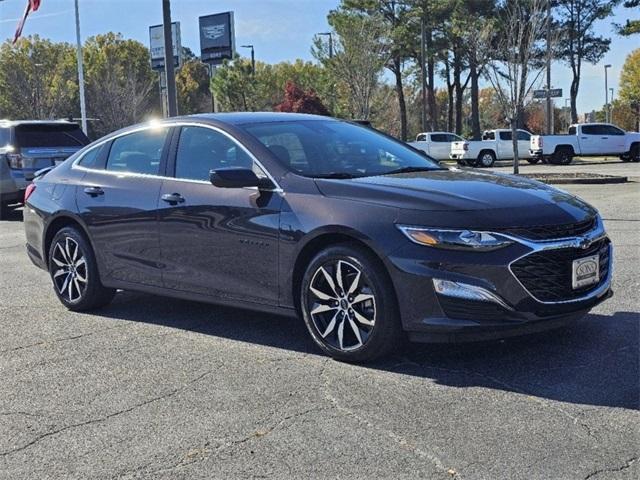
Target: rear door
column 440, row 147
column 504, row 144
column 592, row 140
column 524, row 142
column 118, row 202
column 214, row 241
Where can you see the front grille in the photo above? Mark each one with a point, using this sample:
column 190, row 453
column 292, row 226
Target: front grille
column 550, row 232
column 547, row 274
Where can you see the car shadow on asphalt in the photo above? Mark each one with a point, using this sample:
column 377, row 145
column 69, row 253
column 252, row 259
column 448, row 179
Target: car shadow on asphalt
column 11, row 215
column 592, row 362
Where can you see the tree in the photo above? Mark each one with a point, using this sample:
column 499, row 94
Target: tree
column 631, row 27
column 38, row 80
column 395, row 20
column 192, row 85
column 630, row 84
column 358, row 58
column 120, row 85
column 299, row 101
column 515, row 71
column 577, row 42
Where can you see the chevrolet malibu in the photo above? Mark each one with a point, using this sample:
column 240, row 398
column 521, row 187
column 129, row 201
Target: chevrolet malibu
column 366, row 239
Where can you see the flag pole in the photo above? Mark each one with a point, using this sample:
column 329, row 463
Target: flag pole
column 83, row 107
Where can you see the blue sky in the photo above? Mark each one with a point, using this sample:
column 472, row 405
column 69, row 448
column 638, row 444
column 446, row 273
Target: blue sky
column 279, row 29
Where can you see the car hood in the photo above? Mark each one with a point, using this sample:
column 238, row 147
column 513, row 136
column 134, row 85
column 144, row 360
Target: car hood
column 463, row 196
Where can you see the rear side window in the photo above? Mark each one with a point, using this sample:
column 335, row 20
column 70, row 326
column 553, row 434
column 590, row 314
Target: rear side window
column 50, row 135
column 138, row 152
column 91, row 158
column 505, row 136
column 421, row 137
column 489, row 136
column 593, row 130
column 439, row 137
column 572, row 130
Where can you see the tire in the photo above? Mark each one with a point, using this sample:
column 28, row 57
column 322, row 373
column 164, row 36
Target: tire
column 486, row 159
column 634, row 153
column 351, row 316
column 74, row 272
column 562, row 156
column 533, row 161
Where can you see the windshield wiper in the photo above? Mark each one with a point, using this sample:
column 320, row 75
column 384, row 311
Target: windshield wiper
column 338, row 175
column 409, row 170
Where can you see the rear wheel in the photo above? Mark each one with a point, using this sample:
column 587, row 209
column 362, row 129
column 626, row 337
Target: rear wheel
column 634, row 153
column 562, row 156
column 486, row 159
column 74, row 272
column 349, row 306
column 533, row 161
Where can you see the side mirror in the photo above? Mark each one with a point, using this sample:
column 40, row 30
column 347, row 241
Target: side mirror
column 237, row 178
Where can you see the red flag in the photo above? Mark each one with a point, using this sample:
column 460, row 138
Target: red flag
column 32, row 6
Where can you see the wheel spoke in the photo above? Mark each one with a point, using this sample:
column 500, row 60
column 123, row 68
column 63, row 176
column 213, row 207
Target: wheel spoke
column 64, row 255
column 354, row 284
column 341, row 334
column 331, row 326
column 339, row 275
column 356, row 331
column 60, row 271
column 329, row 280
column 363, row 297
column 67, row 241
column 75, row 282
column 80, row 277
column 80, row 262
column 65, row 283
column 362, row 319
column 322, row 308
column 321, row 295
column 70, row 291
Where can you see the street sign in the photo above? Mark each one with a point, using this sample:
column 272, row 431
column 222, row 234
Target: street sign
column 555, row 92
column 217, row 38
column 156, row 44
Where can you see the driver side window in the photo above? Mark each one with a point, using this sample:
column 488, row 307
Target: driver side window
column 201, row 150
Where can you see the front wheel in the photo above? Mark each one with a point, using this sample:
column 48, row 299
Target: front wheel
column 74, row 272
column 349, row 306
column 634, row 154
column 533, row 161
column 562, row 156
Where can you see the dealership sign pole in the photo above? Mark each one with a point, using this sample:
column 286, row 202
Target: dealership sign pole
column 83, row 105
column 157, row 49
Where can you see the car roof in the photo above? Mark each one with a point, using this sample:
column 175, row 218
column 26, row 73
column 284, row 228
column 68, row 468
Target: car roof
column 14, row 123
column 239, row 118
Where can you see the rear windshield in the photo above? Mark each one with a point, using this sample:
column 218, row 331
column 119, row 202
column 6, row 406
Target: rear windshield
column 50, row 136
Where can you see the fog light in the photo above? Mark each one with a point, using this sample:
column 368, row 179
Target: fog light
column 467, row 292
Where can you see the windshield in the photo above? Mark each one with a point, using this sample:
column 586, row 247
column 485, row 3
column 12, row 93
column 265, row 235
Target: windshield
column 50, row 135
column 329, row 148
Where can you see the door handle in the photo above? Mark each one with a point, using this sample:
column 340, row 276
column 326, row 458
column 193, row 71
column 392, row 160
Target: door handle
column 605, row 138
column 584, row 138
column 172, row 198
column 93, row 191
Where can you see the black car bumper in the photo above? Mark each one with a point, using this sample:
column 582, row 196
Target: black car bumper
column 524, row 288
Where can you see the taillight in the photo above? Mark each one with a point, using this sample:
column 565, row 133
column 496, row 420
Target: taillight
column 465, row 147
column 15, row 160
column 30, row 189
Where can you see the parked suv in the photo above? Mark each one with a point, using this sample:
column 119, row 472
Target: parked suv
column 29, row 146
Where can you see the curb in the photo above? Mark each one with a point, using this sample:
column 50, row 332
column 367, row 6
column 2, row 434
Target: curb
column 601, row 180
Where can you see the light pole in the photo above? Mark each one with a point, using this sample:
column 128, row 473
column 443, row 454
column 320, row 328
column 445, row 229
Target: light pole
column 606, row 94
column 172, row 101
column 330, row 35
column 83, row 104
column 549, row 109
column 253, row 58
column 568, row 109
column 611, row 105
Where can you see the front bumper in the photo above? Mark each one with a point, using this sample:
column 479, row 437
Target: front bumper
column 428, row 315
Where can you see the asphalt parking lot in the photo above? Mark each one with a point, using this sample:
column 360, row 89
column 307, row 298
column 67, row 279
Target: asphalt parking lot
column 158, row 388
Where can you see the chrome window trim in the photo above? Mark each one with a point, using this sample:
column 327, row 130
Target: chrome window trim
column 75, row 165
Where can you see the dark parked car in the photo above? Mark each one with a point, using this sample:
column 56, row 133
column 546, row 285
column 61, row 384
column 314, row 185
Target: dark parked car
column 27, row 146
column 364, row 238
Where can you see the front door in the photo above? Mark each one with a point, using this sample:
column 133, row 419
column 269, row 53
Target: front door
column 221, row 242
column 118, row 203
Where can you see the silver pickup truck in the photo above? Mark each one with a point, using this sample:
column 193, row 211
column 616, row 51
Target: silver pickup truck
column 586, row 140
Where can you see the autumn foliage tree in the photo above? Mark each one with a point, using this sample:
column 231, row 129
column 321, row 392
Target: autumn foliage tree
column 298, row 100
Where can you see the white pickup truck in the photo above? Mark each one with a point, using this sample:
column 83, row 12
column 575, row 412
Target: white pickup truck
column 587, row 140
column 495, row 145
column 436, row 144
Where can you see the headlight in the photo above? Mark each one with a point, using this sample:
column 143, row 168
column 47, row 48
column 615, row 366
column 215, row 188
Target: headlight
column 455, row 239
